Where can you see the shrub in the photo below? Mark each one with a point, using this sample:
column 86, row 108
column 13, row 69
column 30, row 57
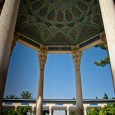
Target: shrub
column 23, row 110
column 72, row 112
column 8, row 112
column 93, row 111
column 108, row 110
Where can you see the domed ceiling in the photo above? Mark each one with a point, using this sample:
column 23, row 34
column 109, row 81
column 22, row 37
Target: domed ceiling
column 59, row 22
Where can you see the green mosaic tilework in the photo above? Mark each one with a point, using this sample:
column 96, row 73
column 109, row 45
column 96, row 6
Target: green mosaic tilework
column 59, row 22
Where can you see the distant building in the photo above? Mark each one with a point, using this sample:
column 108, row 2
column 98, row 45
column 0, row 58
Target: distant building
column 50, row 105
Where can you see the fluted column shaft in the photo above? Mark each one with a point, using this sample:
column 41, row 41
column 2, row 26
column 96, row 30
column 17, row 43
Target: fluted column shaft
column 7, row 25
column 79, row 103
column 108, row 17
column 42, row 60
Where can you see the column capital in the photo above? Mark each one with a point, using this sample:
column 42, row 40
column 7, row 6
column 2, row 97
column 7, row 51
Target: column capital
column 76, row 53
column 42, row 55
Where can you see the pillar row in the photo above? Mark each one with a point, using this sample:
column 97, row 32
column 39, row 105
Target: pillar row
column 79, row 102
column 7, row 25
column 42, row 55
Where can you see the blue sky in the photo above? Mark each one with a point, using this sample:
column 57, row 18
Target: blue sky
column 59, row 75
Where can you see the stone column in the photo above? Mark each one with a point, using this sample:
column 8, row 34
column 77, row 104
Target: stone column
column 79, row 102
column 33, row 109
column 42, row 60
column 67, row 111
column 7, row 26
column 108, row 16
column 50, row 111
column 12, row 48
column 16, row 108
column 85, row 111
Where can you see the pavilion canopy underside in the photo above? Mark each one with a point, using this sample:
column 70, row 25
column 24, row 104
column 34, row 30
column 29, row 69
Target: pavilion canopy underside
column 59, row 22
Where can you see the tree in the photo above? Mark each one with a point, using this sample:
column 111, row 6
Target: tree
column 11, row 97
column 108, row 110
column 105, row 96
column 26, row 95
column 72, row 112
column 93, row 111
column 113, row 97
column 96, row 97
column 103, row 62
column 24, row 110
column 8, row 112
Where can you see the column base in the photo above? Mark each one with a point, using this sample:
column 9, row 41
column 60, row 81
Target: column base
column 80, row 111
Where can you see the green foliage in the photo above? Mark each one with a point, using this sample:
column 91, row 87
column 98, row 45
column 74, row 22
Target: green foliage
column 23, row 110
column 26, row 95
column 105, row 96
column 11, row 97
column 108, row 110
column 93, row 111
column 103, row 62
column 72, row 113
column 8, row 112
column 23, row 95
column 102, row 46
column 96, row 97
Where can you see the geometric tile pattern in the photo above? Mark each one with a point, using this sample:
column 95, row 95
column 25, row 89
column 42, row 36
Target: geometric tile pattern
column 59, row 22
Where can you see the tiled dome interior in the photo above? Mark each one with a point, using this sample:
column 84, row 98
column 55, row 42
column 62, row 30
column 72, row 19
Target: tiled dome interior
column 59, row 22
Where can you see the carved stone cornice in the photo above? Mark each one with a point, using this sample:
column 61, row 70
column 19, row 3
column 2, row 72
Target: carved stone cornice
column 42, row 55
column 76, row 53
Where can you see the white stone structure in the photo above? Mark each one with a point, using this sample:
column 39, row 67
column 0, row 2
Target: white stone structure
column 50, row 105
